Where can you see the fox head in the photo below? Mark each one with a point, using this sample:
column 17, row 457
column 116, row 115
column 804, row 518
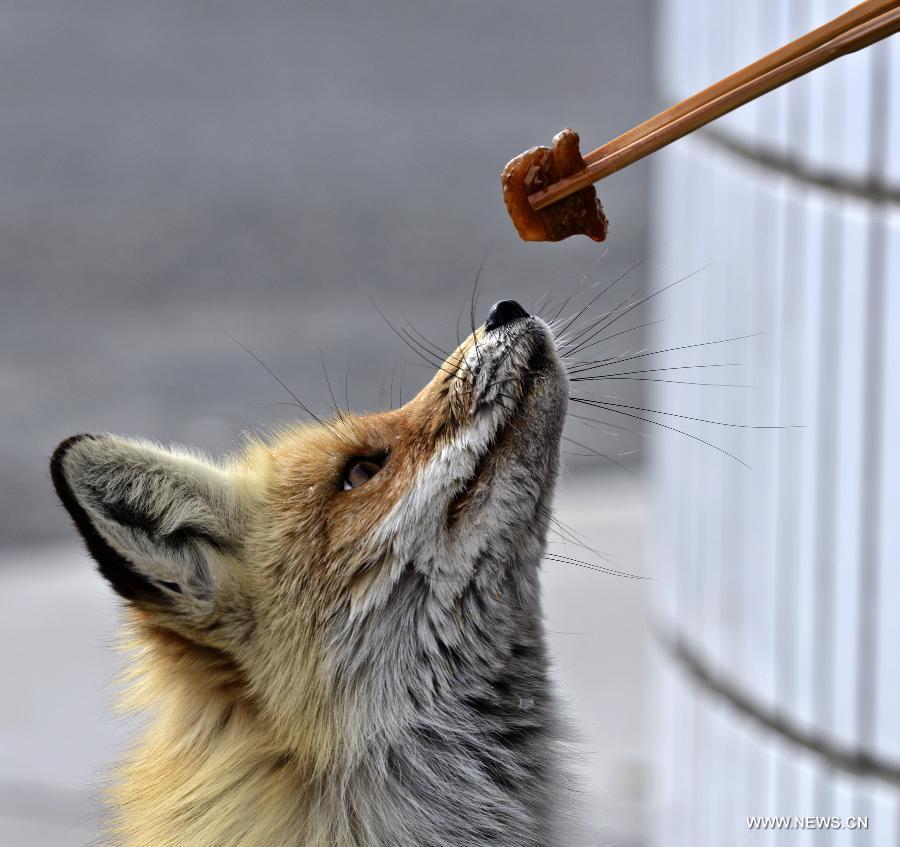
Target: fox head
column 350, row 580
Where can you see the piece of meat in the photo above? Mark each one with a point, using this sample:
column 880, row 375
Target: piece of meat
column 539, row 167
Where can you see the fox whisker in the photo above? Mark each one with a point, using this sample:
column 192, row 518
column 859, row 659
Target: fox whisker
column 281, row 382
column 582, row 367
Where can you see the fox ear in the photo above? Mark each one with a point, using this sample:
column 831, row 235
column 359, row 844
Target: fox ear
column 159, row 523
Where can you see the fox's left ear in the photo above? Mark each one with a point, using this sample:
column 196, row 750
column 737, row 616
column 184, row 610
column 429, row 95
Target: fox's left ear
column 162, row 525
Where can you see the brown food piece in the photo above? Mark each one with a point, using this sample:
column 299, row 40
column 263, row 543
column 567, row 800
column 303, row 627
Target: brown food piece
column 539, row 167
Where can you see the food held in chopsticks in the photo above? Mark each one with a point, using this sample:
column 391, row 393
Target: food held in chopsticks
column 533, row 207
column 578, row 214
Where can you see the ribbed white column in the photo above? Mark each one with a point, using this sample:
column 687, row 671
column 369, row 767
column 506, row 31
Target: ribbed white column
column 778, row 589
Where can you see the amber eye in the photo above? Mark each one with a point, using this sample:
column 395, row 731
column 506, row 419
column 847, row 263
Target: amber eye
column 360, row 471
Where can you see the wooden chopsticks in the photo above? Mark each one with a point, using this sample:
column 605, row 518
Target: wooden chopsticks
column 859, row 27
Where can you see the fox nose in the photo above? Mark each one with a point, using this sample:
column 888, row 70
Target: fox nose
column 502, row 313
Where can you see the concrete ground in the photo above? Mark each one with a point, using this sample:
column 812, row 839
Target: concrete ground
column 58, row 731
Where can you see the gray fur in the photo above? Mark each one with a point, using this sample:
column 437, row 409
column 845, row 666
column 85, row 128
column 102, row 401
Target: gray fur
column 467, row 743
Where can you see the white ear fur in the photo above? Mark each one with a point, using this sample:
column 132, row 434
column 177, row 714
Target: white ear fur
column 157, row 521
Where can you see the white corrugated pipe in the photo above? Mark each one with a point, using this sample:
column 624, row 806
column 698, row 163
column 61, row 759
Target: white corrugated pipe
column 778, row 592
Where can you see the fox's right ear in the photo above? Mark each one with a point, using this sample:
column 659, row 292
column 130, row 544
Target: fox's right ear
column 162, row 525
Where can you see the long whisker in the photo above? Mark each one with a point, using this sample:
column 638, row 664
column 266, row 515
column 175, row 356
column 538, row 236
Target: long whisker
column 443, row 353
column 569, row 535
column 604, row 291
column 587, row 419
column 566, row 531
column 580, row 283
column 581, row 367
column 425, row 349
column 334, row 402
column 641, row 302
column 593, row 452
column 393, row 374
column 400, row 383
column 347, row 384
column 474, row 300
column 271, row 373
column 614, row 377
column 616, row 335
column 659, row 370
column 682, row 417
column 568, row 560
column 424, row 355
column 696, row 438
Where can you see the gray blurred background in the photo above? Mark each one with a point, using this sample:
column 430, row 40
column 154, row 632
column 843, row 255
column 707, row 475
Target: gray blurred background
column 174, row 173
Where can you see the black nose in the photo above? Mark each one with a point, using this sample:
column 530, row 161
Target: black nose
column 502, row 313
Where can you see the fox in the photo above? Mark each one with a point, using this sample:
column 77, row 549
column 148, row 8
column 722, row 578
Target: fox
column 336, row 634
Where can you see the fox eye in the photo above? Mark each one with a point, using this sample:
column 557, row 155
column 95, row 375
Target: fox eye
column 360, row 471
